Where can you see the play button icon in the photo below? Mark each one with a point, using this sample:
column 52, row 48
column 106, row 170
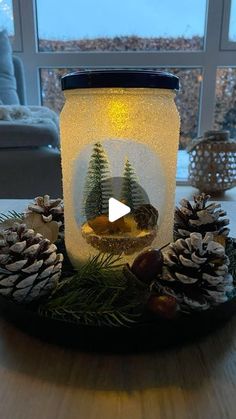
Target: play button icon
column 117, row 210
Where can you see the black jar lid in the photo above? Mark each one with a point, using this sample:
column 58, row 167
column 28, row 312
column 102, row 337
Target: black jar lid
column 119, row 78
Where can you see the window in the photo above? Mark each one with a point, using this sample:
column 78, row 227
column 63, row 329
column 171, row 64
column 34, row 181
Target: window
column 6, row 16
column 232, row 25
column 120, row 25
column 195, row 39
column 10, row 20
column 225, row 108
column 228, row 39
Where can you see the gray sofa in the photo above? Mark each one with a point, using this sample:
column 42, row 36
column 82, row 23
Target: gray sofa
column 28, row 165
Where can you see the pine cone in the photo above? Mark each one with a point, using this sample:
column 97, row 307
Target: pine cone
column 196, row 272
column 146, row 216
column 50, row 209
column 29, row 265
column 200, row 217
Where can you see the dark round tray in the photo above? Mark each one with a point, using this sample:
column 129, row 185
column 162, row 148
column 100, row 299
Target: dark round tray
column 149, row 336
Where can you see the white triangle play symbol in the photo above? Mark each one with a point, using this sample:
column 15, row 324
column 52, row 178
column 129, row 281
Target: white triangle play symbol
column 117, row 209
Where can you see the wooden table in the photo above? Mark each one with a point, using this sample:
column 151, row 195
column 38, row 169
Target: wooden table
column 42, row 381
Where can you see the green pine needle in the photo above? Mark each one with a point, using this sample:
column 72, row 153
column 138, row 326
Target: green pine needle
column 98, row 294
column 11, row 215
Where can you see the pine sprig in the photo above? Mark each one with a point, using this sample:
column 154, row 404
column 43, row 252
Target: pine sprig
column 98, row 294
column 101, row 266
column 11, row 215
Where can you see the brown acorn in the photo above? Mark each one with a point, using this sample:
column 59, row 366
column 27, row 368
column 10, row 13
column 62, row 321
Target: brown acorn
column 148, row 265
column 163, row 305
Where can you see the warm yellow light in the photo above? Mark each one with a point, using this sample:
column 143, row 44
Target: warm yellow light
column 118, row 113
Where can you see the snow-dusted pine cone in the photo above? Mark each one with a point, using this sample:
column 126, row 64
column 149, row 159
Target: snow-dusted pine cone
column 146, row 216
column 30, row 266
column 201, row 217
column 50, row 209
column 196, row 272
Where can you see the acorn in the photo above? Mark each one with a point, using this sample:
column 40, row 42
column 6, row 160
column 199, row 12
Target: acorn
column 147, row 265
column 163, row 305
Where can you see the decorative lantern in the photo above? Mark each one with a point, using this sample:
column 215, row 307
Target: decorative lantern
column 212, row 167
column 119, row 139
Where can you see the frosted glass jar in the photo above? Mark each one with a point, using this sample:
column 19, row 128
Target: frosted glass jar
column 119, row 138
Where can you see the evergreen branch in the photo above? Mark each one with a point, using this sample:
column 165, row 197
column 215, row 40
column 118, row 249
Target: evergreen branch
column 99, row 266
column 106, row 317
column 11, row 215
column 100, row 293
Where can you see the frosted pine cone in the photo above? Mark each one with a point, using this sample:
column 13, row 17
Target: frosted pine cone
column 146, row 216
column 201, row 217
column 196, row 272
column 49, row 209
column 30, row 266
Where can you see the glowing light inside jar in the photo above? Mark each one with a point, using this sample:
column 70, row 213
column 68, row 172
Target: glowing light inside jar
column 118, row 113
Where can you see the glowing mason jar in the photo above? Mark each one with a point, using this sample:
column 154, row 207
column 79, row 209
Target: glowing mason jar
column 119, row 139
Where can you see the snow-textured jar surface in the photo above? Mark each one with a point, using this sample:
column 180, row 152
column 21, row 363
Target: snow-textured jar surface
column 119, row 138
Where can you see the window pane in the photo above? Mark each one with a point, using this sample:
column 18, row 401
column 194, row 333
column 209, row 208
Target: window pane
column 51, row 93
column 232, row 24
column 6, row 16
column 187, row 101
column 121, row 25
column 188, row 104
column 225, row 108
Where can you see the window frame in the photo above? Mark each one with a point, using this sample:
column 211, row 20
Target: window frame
column 17, row 42
column 209, row 59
